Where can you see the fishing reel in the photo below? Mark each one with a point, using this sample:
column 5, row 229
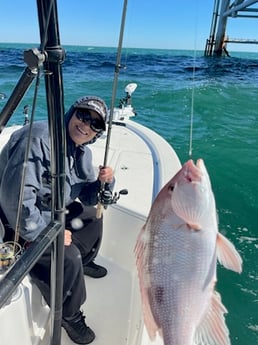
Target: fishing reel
column 9, row 252
column 106, row 196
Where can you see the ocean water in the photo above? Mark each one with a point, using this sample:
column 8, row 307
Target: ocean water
column 220, row 97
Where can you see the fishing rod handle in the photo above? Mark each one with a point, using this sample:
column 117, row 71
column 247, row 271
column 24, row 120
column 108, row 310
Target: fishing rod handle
column 99, row 210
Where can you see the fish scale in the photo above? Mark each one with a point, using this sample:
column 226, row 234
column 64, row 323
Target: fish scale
column 176, row 255
column 173, row 280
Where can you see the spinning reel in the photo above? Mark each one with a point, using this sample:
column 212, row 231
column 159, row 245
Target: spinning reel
column 106, row 196
column 9, row 252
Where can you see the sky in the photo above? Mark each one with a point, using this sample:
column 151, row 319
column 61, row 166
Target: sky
column 161, row 24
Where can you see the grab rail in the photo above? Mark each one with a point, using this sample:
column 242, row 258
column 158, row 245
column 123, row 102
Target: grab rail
column 52, row 56
column 24, row 264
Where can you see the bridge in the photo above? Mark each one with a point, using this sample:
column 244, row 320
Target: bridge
column 216, row 44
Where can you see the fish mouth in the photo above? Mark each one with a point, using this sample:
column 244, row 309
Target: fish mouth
column 193, row 172
column 191, row 194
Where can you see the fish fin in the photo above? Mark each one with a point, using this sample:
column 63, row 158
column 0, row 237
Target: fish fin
column 149, row 321
column 212, row 329
column 228, row 255
column 151, row 325
column 194, row 226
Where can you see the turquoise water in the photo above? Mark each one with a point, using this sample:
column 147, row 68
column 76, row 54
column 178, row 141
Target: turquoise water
column 221, row 95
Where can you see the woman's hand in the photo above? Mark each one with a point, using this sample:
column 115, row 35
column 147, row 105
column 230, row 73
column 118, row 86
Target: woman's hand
column 67, row 238
column 106, row 174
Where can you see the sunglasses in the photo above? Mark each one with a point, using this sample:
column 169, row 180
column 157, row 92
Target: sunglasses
column 85, row 116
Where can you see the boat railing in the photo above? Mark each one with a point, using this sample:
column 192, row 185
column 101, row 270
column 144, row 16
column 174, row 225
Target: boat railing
column 17, row 272
column 52, row 55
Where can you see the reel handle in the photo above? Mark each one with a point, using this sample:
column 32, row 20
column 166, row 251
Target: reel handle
column 107, row 198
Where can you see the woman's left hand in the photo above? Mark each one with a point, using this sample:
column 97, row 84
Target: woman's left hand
column 106, row 174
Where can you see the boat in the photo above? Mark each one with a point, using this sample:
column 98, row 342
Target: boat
column 143, row 162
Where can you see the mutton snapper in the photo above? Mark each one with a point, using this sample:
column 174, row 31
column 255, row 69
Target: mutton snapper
column 176, row 256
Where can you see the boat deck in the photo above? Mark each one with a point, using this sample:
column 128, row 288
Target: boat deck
column 109, row 305
column 113, row 305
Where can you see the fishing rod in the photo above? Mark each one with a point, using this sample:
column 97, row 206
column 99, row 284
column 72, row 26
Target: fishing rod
column 105, row 195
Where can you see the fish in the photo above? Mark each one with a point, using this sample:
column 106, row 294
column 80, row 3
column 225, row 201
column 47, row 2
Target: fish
column 176, row 252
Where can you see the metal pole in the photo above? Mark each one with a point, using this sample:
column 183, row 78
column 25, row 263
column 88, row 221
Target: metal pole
column 50, row 43
column 22, row 86
column 22, row 267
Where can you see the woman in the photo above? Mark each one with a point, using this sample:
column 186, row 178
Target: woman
column 85, row 122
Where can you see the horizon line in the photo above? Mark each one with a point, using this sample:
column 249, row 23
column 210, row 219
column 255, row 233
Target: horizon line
column 125, row 47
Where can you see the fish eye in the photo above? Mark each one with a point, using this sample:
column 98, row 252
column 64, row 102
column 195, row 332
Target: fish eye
column 171, row 187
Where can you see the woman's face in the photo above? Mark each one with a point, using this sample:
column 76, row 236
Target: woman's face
column 80, row 130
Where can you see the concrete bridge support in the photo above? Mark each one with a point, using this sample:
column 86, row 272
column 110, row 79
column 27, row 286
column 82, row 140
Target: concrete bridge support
column 223, row 11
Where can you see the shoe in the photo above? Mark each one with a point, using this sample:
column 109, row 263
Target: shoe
column 77, row 329
column 94, row 271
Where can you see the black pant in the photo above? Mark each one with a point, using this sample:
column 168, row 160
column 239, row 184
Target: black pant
column 85, row 246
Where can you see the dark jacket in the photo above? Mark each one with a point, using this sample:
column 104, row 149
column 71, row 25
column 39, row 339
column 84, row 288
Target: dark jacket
column 36, row 205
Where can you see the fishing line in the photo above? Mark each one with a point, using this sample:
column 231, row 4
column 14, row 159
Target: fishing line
column 26, row 154
column 192, row 112
column 26, row 157
column 193, row 90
